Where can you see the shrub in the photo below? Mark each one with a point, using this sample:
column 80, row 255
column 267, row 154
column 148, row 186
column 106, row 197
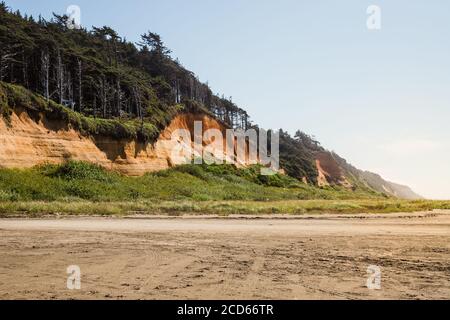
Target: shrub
column 74, row 170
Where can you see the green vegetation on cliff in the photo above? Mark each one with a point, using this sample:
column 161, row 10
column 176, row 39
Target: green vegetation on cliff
column 74, row 181
column 114, row 87
column 86, row 189
column 13, row 97
column 100, row 74
column 101, row 84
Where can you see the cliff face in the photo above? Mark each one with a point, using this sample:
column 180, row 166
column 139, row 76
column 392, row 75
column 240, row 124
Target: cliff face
column 330, row 172
column 27, row 142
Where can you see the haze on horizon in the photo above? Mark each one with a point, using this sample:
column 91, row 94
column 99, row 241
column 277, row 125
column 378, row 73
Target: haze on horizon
column 380, row 99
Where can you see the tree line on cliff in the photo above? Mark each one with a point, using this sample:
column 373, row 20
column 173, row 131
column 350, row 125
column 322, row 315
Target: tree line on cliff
column 99, row 73
column 102, row 75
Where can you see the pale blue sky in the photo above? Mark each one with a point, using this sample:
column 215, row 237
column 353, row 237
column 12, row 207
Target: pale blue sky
column 380, row 99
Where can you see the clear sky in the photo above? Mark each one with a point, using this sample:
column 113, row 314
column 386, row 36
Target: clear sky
column 380, row 99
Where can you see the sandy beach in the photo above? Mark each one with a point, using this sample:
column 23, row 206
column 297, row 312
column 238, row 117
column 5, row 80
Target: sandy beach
column 315, row 257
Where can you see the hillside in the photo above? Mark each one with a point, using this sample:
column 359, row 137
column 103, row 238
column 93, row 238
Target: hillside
column 90, row 95
column 376, row 182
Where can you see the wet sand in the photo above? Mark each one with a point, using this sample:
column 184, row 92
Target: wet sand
column 317, row 257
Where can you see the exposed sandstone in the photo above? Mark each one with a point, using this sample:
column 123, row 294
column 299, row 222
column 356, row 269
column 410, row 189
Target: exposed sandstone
column 329, row 171
column 27, row 142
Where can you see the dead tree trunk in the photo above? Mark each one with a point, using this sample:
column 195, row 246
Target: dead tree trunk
column 60, row 77
column 69, row 86
column 137, row 100
column 25, row 70
column 103, row 96
column 45, row 67
column 118, row 94
column 80, row 89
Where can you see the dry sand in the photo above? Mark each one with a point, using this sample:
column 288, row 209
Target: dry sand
column 322, row 257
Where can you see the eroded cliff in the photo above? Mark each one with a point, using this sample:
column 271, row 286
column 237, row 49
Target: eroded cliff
column 27, row 142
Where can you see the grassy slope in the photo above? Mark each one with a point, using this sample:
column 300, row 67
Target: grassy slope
column 76, row 181
column 80, row 188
